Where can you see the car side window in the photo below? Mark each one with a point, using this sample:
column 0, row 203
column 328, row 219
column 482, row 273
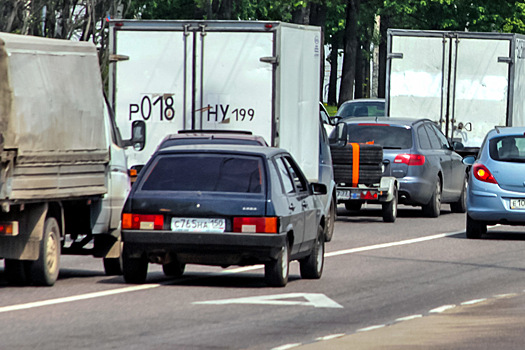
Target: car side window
column 285, row 176
column 424, row 141
column 300, row 182
column 434, row 140
column 442, row 139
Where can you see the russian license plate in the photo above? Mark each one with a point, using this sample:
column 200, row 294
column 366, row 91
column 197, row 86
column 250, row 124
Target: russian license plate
column 517, row 204
column 198, row 225
column 343, row 194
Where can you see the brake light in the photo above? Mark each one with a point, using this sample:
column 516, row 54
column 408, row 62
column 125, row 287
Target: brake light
column 410, row 159
column 255, row 225
column 9, row 228
column 142, row 222
column 368, row 195
column 483, row 174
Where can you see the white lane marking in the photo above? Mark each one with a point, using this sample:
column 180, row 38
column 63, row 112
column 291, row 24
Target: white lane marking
column 508, row 295
column 312, row 299
column 232, row 271
column 287, row 346
column 371, row 328
column 472, row 302
column 391, row 244
column 76, row 298
column 408, row 318
column 440, row 309
column 331, row 336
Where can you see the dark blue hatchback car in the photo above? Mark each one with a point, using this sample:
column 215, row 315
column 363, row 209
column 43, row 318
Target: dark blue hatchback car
column 223, row 205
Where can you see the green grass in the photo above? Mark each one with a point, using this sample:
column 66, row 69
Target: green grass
column 332, row 110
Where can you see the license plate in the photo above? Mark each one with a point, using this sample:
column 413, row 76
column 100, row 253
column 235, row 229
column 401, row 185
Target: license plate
column 343, row 194
column 517, row 204
column 198, row 225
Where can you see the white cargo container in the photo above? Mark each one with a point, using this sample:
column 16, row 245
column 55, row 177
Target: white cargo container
column 466, row 82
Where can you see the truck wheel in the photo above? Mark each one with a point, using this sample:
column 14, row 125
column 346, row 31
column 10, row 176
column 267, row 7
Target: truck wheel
column 276, row 271
column 389, row 209
column 353, row 206
column 44, row 270
column 135, row 270
column 17, row 271
column 475, row 229
column 312, row 265
column 173, row 269
column 433, row 208
column 461, row 205
column 330, row 220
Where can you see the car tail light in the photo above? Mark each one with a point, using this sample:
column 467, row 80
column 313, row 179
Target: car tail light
column 142, row 222
column 255, row 225
column 483, row 174
column 368, row 195
column 410, row 159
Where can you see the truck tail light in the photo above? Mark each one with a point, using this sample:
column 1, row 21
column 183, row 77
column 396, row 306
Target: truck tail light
column 142, row 222
column 410, row 159
column 255, row 224
column 9, row 228
column 483, row 174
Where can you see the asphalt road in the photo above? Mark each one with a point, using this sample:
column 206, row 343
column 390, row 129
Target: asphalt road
column 376, row 275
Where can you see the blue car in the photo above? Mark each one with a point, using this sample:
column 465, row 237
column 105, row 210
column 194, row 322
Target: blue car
column 496, row 189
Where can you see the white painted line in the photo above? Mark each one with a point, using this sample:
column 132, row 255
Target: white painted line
column 371, row 328
column 309, row 299
column 287, row 346
column 76, row 298
column 509, row 295
column 472, row 302
column 331, row 336
column 442, row 309
column 408, row 318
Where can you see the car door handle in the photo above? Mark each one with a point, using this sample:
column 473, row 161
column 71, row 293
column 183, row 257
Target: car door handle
column 305, row 205
column 291, row 206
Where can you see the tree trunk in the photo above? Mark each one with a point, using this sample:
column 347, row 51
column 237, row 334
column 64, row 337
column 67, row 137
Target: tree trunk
column 381, row 85
column 332, row 86
column 359, row 71
column 346, row 91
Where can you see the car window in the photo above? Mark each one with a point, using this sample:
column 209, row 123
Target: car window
column 299, row 181
column 362, row 109
column 422, row 135
column 285, row 176
column 434, row 141
column 443, row 142
column 508, row 148
column 205, row 172
column 324, row 116
column 388, row 136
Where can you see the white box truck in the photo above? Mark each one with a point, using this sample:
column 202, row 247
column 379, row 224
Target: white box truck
column 466, row 82
column 63, row 172
column 263, row 77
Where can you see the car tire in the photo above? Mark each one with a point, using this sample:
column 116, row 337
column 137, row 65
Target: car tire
column 312, row 266
column 135, row 270
column 44, row 270
column 461, row 205
column 433, row 208
column 475, row 229
column 389, row 209
column 173, row 269
column 353, row 206
column 276, row 271
column 330, row 220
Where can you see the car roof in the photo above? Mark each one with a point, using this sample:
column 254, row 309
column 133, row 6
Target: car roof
column 384, row 120
column 223, row 148
column 216, row 134
column 364, row 100
column 504, row 131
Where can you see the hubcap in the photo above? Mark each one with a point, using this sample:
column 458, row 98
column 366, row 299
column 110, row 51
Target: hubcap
column 51, row 253
column 284, row 262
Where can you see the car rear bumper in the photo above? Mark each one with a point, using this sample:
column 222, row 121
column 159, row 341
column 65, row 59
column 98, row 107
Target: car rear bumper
column 205, row 248
column 494, row 207
column 415, row 190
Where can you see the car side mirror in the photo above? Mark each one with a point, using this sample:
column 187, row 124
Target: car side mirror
column 469, row 160
column 318, row 188
column 138, row 136
column 339, row 135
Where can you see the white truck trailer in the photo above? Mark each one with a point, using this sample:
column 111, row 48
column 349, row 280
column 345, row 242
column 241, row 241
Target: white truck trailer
column 63, row 173
column 466, row 82
column 227, row 75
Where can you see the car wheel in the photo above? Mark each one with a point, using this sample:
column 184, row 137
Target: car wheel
column 173, row 269
column 353, row 206
column 433, row 208
column 276, row 271
column 389, row 209
column 135, row 270
column 475, row 228
column 330, row 221
column 312, row 266
column 461, row 205
column 44, row 270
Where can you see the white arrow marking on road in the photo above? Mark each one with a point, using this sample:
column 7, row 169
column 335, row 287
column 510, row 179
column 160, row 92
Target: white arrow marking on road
column 312, row 299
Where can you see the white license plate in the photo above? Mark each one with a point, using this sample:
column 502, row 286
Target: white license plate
column 517, row 204
column 198, row 225
column 343, row 194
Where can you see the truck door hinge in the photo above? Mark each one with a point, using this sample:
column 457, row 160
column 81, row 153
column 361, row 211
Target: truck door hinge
column 505, row 60
column 394, row 55
column 271, row 60
column 117, row 58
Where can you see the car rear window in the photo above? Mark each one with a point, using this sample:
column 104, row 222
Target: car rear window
column 207, row 173
column 508, row 148
column 388, row 136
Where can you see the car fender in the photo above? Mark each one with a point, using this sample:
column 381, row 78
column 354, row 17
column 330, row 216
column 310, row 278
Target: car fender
column 390, row 184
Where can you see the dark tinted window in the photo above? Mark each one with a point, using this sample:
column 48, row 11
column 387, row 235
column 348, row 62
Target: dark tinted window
column 508, row 148
column 203, row 141
column 362, row 109
column 442, row 139
column 205, row 172
column 285, row 176
column 422, row 135
column 434, row 140
column 388, row 136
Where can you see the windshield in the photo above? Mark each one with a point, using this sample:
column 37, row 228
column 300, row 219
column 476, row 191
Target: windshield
column 388, row 136
column 508, row 148
column 362, row 109
column 205, row 172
